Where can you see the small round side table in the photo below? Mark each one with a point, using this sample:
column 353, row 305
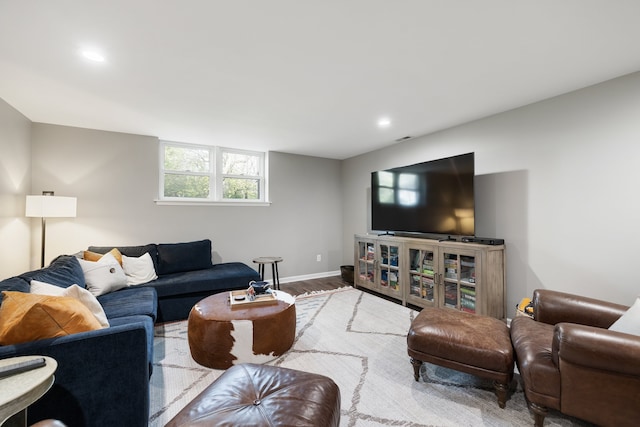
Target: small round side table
column 19, row 391
column 273, row 260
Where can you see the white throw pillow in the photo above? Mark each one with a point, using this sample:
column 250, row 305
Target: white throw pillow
column 138, row 270
column 629, row 322
column 74, row 291
column 104, row 275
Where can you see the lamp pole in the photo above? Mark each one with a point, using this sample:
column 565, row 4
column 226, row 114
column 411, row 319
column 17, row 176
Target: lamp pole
column 44, row 230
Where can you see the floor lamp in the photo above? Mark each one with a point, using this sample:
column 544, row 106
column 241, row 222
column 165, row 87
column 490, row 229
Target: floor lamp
column 49, row 206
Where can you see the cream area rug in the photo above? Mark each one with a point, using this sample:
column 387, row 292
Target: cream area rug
column 358, row 340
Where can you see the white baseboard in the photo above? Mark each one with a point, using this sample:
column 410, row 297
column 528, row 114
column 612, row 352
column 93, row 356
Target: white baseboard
column 307, row 277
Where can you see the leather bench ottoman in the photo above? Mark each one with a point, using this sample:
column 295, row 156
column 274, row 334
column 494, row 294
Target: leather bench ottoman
column 261, row 395
column 470, row 343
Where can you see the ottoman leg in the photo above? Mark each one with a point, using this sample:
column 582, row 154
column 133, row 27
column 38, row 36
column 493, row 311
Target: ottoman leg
column 501, row 393
column 416, row 368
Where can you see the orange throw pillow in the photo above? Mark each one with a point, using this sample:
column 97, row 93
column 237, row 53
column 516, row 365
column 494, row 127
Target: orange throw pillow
column 93, row 256
column 28, row 317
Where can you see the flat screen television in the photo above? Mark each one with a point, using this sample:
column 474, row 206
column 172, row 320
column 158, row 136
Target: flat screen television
column 434, row 197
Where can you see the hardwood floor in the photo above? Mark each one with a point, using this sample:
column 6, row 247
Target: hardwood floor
column 328, row 283
column 321, row 284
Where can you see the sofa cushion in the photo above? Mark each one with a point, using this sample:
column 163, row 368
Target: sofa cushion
column 179, row 257
column 63, row 271
column 138, row 270
column 13, row 284
column 220, row 277
column 103, row 276
column 130, row 302
column 95, row 256
column 73, row 291
column 132, row 251
column 28, row 317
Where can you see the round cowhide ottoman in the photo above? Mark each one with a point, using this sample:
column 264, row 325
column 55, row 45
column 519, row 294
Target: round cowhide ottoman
column 221, row 336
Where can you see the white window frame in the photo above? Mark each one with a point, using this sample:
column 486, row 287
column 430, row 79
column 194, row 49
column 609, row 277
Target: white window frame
column 220, row 151
column 215, row 177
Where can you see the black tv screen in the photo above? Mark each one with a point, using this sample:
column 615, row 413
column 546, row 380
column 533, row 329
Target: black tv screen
column 434, row 197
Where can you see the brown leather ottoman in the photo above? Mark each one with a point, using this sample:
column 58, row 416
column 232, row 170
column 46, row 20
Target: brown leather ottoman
column 263, row 395
column 477, row 345
column 221, row 336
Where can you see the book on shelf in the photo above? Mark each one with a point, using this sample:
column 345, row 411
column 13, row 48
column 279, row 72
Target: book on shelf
column 468, row 300
column 467, row 304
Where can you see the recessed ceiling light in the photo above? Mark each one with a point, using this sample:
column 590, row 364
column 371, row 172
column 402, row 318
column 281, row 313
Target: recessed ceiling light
column 92, row 55
column 384, row 122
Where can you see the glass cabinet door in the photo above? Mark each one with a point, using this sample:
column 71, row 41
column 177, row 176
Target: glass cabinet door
column 366, row 258
column 421, row 268
column 459, row 281
column 389, row 267
column 450, row 280
column 468, row 283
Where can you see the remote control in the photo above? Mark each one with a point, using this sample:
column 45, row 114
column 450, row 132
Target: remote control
column 16, row 368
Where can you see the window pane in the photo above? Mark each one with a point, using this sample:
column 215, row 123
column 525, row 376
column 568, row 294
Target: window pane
column 240, row 164
column 186, row 186
column 386, row 196
column 407, row 197
column 408, row 181
column 385, row 179
column 239, row 188
column 186, row 159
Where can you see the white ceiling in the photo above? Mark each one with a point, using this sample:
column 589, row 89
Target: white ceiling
column 305, row 77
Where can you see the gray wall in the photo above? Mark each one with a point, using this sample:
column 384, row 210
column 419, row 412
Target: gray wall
column 556, row 179
column 115, row 178
column 15, row 182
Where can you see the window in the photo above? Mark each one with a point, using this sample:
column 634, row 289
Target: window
column 398, row 188
column 195, row 173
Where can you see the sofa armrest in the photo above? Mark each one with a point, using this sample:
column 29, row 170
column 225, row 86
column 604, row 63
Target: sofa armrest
column 599, row 374
column 102, row 377
column 554, row 307
column 596, row 348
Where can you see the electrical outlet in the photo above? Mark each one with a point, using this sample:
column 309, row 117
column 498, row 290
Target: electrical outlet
column 318, row 257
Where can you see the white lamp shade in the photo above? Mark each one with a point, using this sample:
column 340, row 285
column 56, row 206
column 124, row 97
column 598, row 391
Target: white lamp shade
column 51, row 207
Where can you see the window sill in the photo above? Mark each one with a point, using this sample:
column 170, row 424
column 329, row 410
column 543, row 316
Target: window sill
column 207, row 203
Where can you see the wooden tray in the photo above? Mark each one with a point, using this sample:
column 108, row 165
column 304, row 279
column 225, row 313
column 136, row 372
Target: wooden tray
column 268, row 298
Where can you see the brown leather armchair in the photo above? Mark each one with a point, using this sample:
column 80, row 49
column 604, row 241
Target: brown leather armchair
column 569, row 361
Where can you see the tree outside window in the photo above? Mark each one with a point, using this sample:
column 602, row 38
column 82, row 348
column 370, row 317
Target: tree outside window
column 241, row 175
column 188, row 173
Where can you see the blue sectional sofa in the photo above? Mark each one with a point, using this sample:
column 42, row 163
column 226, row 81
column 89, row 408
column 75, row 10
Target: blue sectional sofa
column 186, row 274
column 103, row 375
